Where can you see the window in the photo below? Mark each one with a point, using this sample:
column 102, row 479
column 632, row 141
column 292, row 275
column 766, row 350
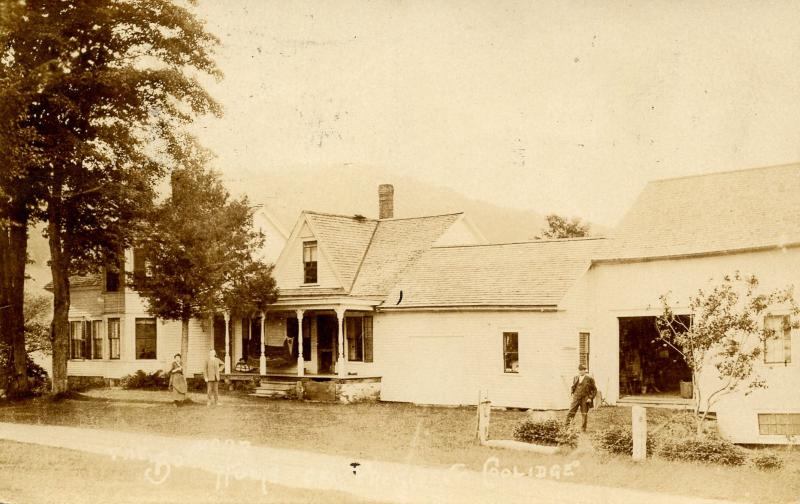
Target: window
column 113, row 338
column 78, row 349
column 781, row 424
column 95, row 336
column 145, row 338
column 310, row 262
column 583, row 349
column 778, row 347
column 359, row 338
column 511, row 352
column 112, row 279
column 141, row 267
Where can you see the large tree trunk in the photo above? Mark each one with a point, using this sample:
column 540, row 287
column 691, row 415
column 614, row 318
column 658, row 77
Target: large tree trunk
column 60, row 325
column 18, row 385
column 13, row 255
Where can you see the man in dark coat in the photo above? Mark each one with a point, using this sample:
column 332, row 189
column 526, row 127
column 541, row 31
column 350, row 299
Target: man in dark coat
column 583, row 392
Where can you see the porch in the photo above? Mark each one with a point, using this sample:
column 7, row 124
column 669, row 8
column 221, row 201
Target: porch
column 311, row 350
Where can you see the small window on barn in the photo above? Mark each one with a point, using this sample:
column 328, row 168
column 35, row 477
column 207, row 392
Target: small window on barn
column 77, row 338
column 778, row 345
column 359, row 338
column 310, row 262
column 779, row 424
column 113, row 338
column 511, row 352
column 145, row 338
column 583, row 349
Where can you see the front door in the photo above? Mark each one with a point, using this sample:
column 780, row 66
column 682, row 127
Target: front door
column 327, row 327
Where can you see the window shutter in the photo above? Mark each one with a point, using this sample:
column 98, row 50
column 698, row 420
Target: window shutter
column 367, row 339
column 583, row 349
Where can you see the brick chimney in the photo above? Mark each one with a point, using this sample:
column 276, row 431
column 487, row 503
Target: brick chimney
column 385, row 201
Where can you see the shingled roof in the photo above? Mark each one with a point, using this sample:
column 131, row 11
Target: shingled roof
column 713, row 213
column 530, row 274
column 396, row 244
column 80, row 282
column 344, row 239
column 369, row 255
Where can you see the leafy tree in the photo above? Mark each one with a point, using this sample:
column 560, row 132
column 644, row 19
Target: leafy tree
column 562, row 227
column 725, row 331
column 201, row 246
column 99, row 92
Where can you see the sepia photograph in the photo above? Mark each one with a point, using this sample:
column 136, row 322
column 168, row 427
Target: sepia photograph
column 399, row 251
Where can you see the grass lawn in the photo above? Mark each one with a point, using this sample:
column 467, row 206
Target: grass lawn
column 407, row 433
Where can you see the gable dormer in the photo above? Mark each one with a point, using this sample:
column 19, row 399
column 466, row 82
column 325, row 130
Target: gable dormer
column 323, row 250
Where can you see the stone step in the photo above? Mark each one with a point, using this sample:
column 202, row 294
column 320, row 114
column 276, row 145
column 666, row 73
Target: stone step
column 278, row 385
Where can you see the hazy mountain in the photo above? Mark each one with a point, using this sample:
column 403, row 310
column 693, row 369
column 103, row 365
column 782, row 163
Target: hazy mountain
column 349, row 190
column 353, row 190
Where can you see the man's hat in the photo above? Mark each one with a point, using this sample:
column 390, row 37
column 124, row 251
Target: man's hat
column 582, row 367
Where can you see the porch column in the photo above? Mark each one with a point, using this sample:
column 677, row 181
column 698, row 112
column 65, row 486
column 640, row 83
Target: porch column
column 300, row 361
column 340, row 361
column 227, row 343
column 262, row 363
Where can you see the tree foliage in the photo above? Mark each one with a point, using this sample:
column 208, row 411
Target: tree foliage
column 725, row 331
column 562, row 227
column 201, row 246
column 95, row 97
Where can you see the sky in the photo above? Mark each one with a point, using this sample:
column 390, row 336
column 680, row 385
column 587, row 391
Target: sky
column 566, row 107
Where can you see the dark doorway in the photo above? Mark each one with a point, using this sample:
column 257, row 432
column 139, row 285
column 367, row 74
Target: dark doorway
column 219, row 336
column 648, row 365
column 327, row 328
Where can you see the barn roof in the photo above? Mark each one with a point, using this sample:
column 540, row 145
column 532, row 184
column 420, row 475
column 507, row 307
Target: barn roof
column 712, row 213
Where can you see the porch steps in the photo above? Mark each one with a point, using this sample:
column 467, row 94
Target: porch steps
column 669, row 402
column 277, row 389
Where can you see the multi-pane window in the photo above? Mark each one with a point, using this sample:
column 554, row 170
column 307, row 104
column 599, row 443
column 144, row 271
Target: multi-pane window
column 142, row 269
column 310, row 262
column 77, row 338
column 781, row 424
column 359, row 338
column 511, row 352
column 778, row 347
column 145, row 338
column 95, row 329
column 113, row 338
column 583, row 349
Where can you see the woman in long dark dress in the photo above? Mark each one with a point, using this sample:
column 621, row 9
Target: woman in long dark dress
column 177, row 382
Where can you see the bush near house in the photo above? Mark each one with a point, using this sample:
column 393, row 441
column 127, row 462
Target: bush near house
column 143, row 380
column 702, row 449
column 618, row 440
column 767, row 461
column 546, row 432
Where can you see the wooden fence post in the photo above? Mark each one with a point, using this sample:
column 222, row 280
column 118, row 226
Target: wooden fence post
column 484, row 412
column 639, row 432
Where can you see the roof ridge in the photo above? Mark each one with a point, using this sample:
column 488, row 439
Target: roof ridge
column 528, row 242
column 421, row 217
column 355, row 217
column 726, row 172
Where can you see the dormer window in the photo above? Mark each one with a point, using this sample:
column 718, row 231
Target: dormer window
column 310, row 262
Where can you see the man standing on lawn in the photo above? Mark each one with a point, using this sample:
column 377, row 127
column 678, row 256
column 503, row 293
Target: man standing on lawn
column 211, row 374
column 583, row 392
